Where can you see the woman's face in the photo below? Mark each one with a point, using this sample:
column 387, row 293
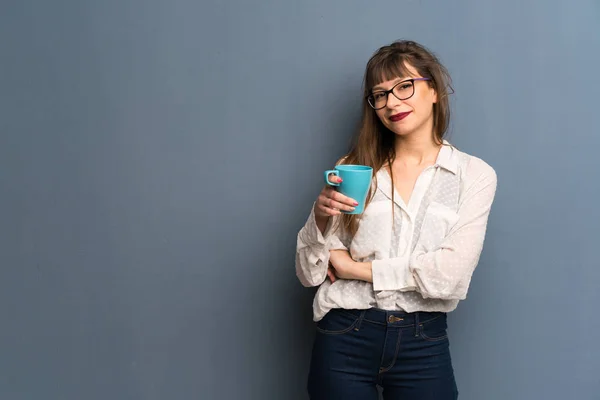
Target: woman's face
column 415, row 114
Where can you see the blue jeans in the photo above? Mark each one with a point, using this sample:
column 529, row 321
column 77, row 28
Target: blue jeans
column 407, row 354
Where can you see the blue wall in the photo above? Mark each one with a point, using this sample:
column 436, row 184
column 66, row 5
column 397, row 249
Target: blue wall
column 158, row 157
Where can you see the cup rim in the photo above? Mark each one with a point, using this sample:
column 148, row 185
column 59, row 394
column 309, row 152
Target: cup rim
column 354, row 167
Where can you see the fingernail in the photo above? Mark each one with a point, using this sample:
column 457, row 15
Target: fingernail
column 352, row 208
column 356, row 203
column 340, row 180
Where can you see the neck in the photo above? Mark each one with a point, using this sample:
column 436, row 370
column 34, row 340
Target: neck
column 416, row 149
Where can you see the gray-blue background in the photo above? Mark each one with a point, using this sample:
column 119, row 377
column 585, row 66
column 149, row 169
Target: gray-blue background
column 158, row 157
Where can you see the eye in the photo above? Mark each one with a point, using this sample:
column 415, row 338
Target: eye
column 405, row 86
column 378, row 95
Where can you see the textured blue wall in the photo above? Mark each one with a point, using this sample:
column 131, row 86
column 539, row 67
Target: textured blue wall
column 158, row 157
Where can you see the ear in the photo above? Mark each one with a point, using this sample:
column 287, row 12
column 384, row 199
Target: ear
column 435, row 96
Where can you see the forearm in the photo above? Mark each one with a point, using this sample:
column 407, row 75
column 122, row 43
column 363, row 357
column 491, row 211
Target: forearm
column 346, row 268
column 362, row 271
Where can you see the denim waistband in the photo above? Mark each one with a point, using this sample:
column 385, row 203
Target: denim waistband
column 393, row 318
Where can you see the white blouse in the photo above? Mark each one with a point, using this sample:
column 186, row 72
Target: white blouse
column 423, row 257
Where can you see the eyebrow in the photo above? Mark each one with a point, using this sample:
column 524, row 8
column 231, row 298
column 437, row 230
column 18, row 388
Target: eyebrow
column 398, row 80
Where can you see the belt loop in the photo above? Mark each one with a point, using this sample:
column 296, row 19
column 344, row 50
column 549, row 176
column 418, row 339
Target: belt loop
column 360, row 320
column 417, row 327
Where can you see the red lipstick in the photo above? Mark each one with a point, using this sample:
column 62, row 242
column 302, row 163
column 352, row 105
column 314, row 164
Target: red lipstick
column 399, row 116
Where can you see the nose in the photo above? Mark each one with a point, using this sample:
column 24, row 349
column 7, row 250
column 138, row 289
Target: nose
column 392, row 101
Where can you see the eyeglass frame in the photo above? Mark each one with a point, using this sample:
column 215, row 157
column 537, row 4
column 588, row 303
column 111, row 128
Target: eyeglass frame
column 387, row 92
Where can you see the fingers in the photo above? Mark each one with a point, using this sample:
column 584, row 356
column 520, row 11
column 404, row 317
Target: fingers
column 324, row 211
column 331, row 275
column 331, row 202
column 334, row 178
column 340, row 198
column 328, row 203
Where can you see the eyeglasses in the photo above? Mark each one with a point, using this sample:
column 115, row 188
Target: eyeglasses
column 402, row 90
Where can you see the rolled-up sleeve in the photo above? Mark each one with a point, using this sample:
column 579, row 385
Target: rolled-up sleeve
column 312, row 249
column 392, row 274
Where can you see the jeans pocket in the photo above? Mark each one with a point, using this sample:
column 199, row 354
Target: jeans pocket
column 337, row 322
column 435, row 329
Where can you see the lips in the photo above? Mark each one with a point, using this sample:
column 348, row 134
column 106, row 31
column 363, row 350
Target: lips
column 399, row 116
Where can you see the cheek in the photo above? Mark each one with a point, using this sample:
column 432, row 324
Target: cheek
column 423, row 107
column 428, row 108
column 382, row 119
column 381, row 115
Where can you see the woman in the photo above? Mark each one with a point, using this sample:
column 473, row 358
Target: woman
column 388, row 277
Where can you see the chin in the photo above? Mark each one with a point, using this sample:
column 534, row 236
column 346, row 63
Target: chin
column 401, row 130
column 403, row 134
